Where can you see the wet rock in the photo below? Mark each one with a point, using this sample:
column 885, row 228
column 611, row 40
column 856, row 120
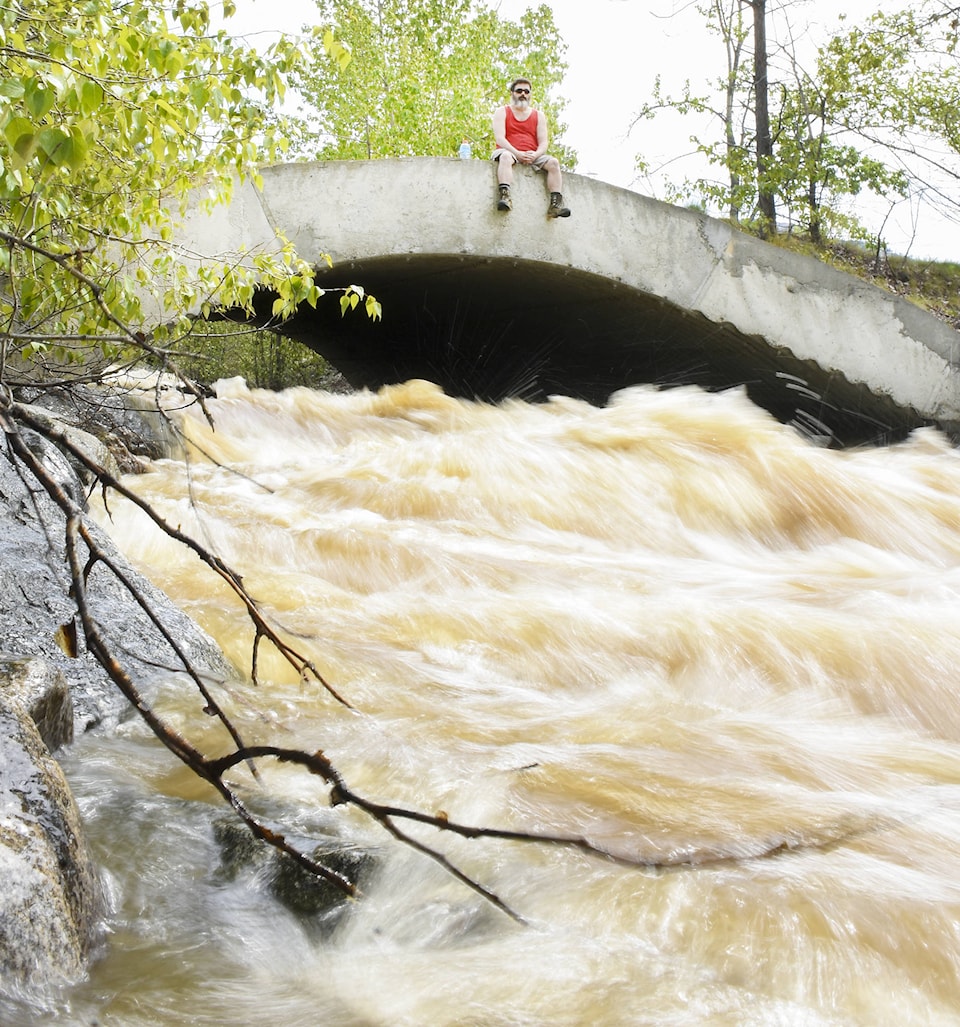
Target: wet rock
column 304, row 893
column 89, row 445
column 125, row 420
column 36, row 610
column 41, row 691
column 51, row 686
column 50, row 903
column 293, row 886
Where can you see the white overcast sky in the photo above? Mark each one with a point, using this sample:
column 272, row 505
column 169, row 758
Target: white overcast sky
column 615, row 50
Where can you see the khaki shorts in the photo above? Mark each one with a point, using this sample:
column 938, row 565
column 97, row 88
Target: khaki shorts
column 537, row 165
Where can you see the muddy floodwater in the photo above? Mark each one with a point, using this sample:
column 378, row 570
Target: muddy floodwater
column 671, row 627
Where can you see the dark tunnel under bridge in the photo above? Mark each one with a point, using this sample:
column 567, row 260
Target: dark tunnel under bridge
column 492, row 329
column 628, row 291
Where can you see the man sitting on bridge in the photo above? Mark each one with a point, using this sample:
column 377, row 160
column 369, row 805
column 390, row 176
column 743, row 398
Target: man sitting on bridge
column 520, row 133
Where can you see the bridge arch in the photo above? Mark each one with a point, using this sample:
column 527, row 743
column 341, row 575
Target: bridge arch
column 626, row 291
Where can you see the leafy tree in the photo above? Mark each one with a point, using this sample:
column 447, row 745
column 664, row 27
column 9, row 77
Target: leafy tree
column 895, row 83
column 817, row 162
column 782, row 133
column 424, row 76
column 113, row 114
column 723, row 18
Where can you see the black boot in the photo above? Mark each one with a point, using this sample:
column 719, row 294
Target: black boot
column 556, row 208
column 504, row 202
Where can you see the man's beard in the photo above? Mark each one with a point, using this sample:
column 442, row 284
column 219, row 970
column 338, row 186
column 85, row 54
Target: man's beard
column 521, row 105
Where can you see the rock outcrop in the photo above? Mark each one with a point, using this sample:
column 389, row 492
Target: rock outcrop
column 50, row 686
column 50, row 903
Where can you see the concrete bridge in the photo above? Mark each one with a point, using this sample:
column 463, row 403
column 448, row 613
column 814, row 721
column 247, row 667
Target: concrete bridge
column 626, row 291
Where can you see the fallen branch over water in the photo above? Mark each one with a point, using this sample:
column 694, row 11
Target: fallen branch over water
column 84, row 552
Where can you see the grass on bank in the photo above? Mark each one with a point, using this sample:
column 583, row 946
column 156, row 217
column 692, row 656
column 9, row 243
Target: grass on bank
column 930, row 284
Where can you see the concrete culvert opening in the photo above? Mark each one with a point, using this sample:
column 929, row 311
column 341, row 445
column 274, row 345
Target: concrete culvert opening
column 491, row 329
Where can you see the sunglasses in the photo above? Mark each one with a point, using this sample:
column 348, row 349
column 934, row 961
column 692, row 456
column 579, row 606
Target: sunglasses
column 522, row 90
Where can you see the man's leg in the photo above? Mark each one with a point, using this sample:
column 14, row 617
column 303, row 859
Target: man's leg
column 554, row 175
column 505, row 164
column 555, row 186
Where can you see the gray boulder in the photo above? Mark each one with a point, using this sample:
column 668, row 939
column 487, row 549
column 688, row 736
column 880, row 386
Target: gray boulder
column 36, row 610
column 41, row 693
column 50, row 903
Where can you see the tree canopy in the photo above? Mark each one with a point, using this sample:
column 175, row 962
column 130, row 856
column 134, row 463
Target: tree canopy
column 425, row 76
column 112, row 115
column 896, row 87
column 875, row 110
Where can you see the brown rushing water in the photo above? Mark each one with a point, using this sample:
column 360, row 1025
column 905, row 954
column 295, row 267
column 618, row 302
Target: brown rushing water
column 670, row 626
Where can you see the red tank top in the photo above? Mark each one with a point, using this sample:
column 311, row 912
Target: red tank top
column 522, row 135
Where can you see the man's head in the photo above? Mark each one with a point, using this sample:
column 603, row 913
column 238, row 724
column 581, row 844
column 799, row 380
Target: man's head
column 520, row 92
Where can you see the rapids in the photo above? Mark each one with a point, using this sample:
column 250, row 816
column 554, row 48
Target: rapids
column 670, row 626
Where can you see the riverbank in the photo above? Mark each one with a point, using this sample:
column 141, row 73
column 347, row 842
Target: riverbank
column 52, row 687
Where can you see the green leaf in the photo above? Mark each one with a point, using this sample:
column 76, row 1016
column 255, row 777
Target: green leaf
column 39, row 99
column 91, row 97
column 20, row 133
column 174, row 63
column 55, row 144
